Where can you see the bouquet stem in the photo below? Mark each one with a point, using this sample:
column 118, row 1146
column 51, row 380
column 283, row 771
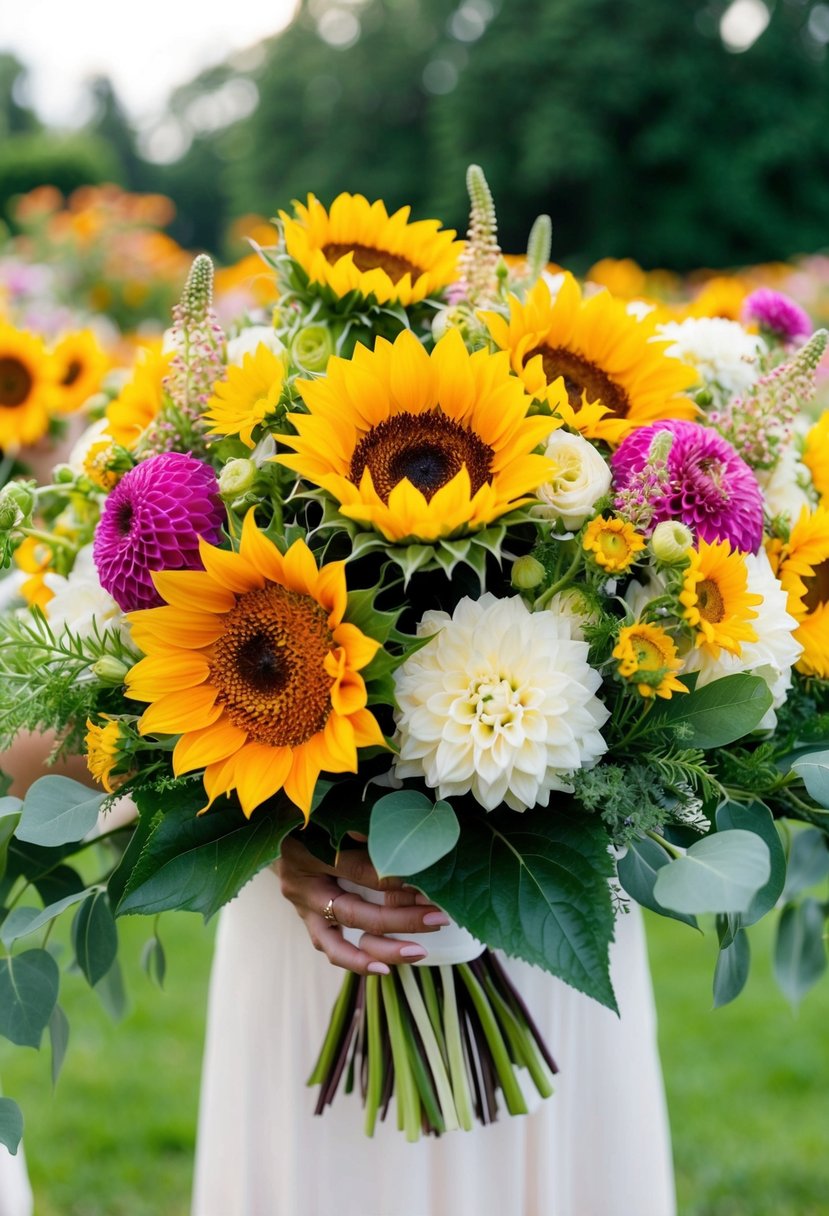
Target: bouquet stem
column 443, row 1040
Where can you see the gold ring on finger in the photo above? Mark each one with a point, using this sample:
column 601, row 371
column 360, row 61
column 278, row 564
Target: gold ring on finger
column 329, row 914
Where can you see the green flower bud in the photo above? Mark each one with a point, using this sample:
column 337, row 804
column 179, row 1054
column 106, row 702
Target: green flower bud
column 110, row 670
column 63, row 475
column 527, row 573
column 671, row 541
column 17, row 501
column 237, row 477
column 312, row 347
column 9, row 516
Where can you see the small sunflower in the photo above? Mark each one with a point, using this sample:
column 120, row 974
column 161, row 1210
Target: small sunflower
column 802, row 565
column 603, row 356
column 648, row 658
column 141, row 398
column 35, row 559
column 251, row 663
column 420, row 446
column 612, row 543
column 104, row 752
column 28, row 388
column 358, row 246
column 81, row 367
column 246, row 396
column 816, row 456
column 722, row 296
column 717, row 603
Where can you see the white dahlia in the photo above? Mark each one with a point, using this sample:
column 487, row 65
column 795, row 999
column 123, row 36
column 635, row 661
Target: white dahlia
column 501, row 702
column 774, row 653
column 726, row 357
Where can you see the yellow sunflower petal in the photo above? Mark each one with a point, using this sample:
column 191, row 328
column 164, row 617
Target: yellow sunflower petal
column 177, row 712
column 198, row 748
column 153, row 677
column 193, row 590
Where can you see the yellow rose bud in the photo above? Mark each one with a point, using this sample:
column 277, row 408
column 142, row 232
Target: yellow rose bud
column 671, row 541
column 237, row 477
column 527, row 573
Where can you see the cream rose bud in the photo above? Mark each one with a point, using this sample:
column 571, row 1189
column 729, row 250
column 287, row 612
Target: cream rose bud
column 249, row 340
column 580, row 479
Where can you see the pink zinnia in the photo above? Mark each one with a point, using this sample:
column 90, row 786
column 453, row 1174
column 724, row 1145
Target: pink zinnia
column 152, row 521
column 778, row 313
column 709, row 487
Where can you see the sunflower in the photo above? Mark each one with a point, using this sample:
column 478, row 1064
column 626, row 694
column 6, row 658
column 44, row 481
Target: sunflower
column 251, row 663
column 802, row 565
column 358, row 246
column 247, row 395
column 141, row 398
column 816, row 456
column 81, row 366
column 717, row 603
column 648, row 657
column 28, row 388
column 600, row 353
column 420, row 446
column 612, row 543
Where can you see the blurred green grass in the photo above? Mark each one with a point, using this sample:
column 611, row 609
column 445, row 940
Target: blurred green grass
column 748, row 1086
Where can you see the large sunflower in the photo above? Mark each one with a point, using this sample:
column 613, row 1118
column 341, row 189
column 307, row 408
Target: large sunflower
column 358, row 246
column 816, row 456
column 599, row 353
column 420, row 446
column 718, row 605
column 141, row 398
column 81, row 367
column 251, row 662
column 28, row 388
column 802, row 565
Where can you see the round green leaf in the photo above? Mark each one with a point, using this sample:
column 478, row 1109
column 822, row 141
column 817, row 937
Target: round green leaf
column 408, row 832
column 94, row 936
column 814, row 771
column 720, row 873
column 11, row 1124
column 758, row 818
column 57, row 810
column 637, row 872
column 799, row 952
column 722, row 711
column 731, row 972
column 29, row 985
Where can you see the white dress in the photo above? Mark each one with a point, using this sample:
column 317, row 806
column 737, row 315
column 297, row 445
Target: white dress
column 15, row 1191
column 599, row 1147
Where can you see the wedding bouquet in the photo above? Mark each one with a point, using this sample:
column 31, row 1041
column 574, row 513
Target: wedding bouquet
column 524, row 586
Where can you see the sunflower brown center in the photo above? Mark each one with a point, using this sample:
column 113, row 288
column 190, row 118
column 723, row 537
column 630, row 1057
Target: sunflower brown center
column 15, row 381
column 817, row 587
column 269, row 666
column 429, row 449
column 710, row 601
column 582, row 378
column 73, row 371
column 366, row 258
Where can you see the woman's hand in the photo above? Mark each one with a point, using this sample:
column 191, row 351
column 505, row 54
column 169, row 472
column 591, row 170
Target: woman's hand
column 310, row 884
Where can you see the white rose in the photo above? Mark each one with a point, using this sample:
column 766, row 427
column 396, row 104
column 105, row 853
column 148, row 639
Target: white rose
column 580, row 479
column 247, row 342
column 80, row 603
column 784, row 486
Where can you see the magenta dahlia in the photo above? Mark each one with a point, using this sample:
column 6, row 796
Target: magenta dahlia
column 708, row 486
column 152, row 521
column 777, row 313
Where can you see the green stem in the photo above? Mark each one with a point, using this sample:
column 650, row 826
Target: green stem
column 54, row 542
column 374, row 1048
column 666, row 845
column 516, row 1104
column 430, row 1045
column 544, row 599
column 430, row 996
column 408, row 1104
column 454, row 1048
column 521, row 1040
column 335, row 1029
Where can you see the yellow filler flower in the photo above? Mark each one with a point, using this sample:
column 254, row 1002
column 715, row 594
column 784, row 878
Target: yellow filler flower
column 420, row 446
column 358, row 246
column 28, row 388
column 612, row 543
column 251, row 663
column 599, row 353
column 802, row 566
column 718, row 606
column 246, row 396
column 648, row 658
column 103, row 752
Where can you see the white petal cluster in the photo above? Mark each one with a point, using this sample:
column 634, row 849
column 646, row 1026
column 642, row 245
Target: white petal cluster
column 726, row 357
column 249, row 340
column 500, row 703
column 80, row 603
column 774, row 653
column 784, row 487
column 580, row 479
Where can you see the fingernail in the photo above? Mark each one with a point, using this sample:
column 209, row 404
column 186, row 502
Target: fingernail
column 436, row 918
column 378, row 969
column 413, row 951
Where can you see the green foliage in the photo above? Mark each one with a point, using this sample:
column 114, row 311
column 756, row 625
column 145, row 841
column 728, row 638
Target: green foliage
column 57, row 810
column 800, row 952
column 720, row 873
column 637, row 872
column 409, row 832
column 717, row 714
column 635, row 798
column 11, row 1124
column 45, row 158
column 28, row 993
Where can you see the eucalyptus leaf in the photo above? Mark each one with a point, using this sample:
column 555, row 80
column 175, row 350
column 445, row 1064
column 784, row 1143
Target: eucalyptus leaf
column 154, row 961
column 57, row 810
column 11, row 1125
column 408, row 832
column 22, row 921
column 9, row 819
column 758, row 818
column 94, row 936
column 536, row 886
column 720, row 712
column 112, row 993
column 814, row 772
column 731, row 971
column 29, row 985
column 59, row 1040
column 637, row 872
column 799, row 951
column 720, row 873
column 808, row 862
